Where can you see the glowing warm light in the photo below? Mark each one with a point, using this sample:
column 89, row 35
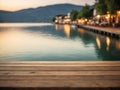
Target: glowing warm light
column 86, row 20
column 118, row 45
column 107, row 17
column 98, row 16
column 118, row 12
column 98, row 42
column 108, row 12
column 56, row 21
column 67, row 20
column 67, row 29
column 81, row 21
column 108, row 43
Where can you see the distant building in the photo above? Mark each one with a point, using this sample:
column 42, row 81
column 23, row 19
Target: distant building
column 118, row 17
column 59, row 18
column 67, row 19
column 63, row 19
column 94, row 12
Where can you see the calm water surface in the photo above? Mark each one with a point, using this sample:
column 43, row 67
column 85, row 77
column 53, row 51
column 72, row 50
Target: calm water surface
column 48, row 42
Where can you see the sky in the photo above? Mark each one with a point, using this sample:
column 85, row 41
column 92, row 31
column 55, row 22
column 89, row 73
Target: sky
column 14, row 5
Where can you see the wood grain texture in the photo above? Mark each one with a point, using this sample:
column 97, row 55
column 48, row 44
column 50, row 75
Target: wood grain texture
column 60, row 74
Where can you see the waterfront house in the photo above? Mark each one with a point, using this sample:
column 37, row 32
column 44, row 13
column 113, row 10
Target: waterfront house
column 62, row 19
column 118, row 17
column 59, row 18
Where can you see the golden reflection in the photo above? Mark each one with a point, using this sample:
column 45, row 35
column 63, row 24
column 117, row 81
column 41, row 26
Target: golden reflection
column 58, row 27
column 108, row 43
column 98, row 42
column 18, row 41
column 67, row 29
column 13, row 41
column 118, row 45
column 10, row 40
column 81, row 31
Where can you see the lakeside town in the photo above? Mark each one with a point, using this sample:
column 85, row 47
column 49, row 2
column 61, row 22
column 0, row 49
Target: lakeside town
column 104, row 13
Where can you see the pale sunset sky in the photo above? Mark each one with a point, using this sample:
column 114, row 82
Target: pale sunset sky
column 14, row 5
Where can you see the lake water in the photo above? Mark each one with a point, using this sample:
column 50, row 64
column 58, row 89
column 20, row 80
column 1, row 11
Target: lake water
column 49, row 42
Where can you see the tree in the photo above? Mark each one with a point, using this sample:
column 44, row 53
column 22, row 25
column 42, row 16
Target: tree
column 112, row 6
column 73, row 14
column 101, row 7
column 117, row 4
column 104, row 6
column 53, row 19
column 85, row 12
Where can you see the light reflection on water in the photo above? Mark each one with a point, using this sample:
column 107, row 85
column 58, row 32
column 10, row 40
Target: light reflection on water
column 45, row 41
column 98, row 42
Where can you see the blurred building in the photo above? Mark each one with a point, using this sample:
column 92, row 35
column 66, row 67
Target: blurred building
column 63, row 19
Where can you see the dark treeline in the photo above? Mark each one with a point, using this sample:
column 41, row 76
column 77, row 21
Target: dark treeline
column 102, row 7
column 85, row 12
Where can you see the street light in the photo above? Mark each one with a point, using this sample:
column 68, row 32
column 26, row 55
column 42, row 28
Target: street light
column 98, row 16
column 118, row 12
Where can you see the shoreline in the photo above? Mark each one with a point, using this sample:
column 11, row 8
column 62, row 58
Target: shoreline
column 111, row 32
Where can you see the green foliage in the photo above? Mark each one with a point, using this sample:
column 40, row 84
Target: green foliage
column 80, row 15
column 53, row 19
column 73, row 14
column 101, row 7
column 85, row 12
column 110, row 6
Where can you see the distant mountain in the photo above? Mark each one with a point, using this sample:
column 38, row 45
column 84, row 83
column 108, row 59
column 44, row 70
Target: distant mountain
column 40, row 14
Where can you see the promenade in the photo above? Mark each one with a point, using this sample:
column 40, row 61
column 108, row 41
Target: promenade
column 109, row 31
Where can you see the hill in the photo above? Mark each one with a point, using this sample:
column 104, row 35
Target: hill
column 40, row 14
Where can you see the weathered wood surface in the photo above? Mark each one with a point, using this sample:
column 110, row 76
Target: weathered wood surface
column 60, row 74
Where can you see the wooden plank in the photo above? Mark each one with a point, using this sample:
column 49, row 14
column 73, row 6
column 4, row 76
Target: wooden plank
column 60, row 77
column 60, row 74
column 28, row 73
column 60, row 83
column 58, row 68
column 60, row 63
